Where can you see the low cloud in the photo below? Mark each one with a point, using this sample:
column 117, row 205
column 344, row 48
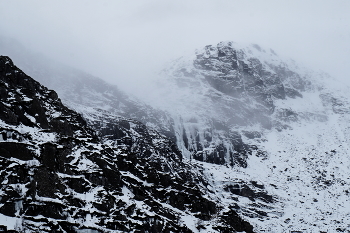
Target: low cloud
column 126, row 42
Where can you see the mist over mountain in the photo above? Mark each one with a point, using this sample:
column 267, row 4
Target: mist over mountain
column 126, row 42
column 230, row 138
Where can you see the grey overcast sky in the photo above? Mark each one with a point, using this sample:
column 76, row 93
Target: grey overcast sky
column 124, row 41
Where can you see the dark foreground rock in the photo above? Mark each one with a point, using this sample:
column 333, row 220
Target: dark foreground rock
column 58, row 175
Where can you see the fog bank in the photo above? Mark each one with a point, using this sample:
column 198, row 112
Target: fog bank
column 126, row 42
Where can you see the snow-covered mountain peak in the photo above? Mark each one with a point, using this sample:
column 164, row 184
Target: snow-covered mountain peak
column 243, row 52
column 252, row 56
column 269, row 137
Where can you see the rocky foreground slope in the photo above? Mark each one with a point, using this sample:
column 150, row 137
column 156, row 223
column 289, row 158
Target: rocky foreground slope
column 57, row 175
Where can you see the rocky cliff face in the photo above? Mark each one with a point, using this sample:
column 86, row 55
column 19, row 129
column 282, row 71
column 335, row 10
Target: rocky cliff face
column 57, row 175
column 230, row 89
